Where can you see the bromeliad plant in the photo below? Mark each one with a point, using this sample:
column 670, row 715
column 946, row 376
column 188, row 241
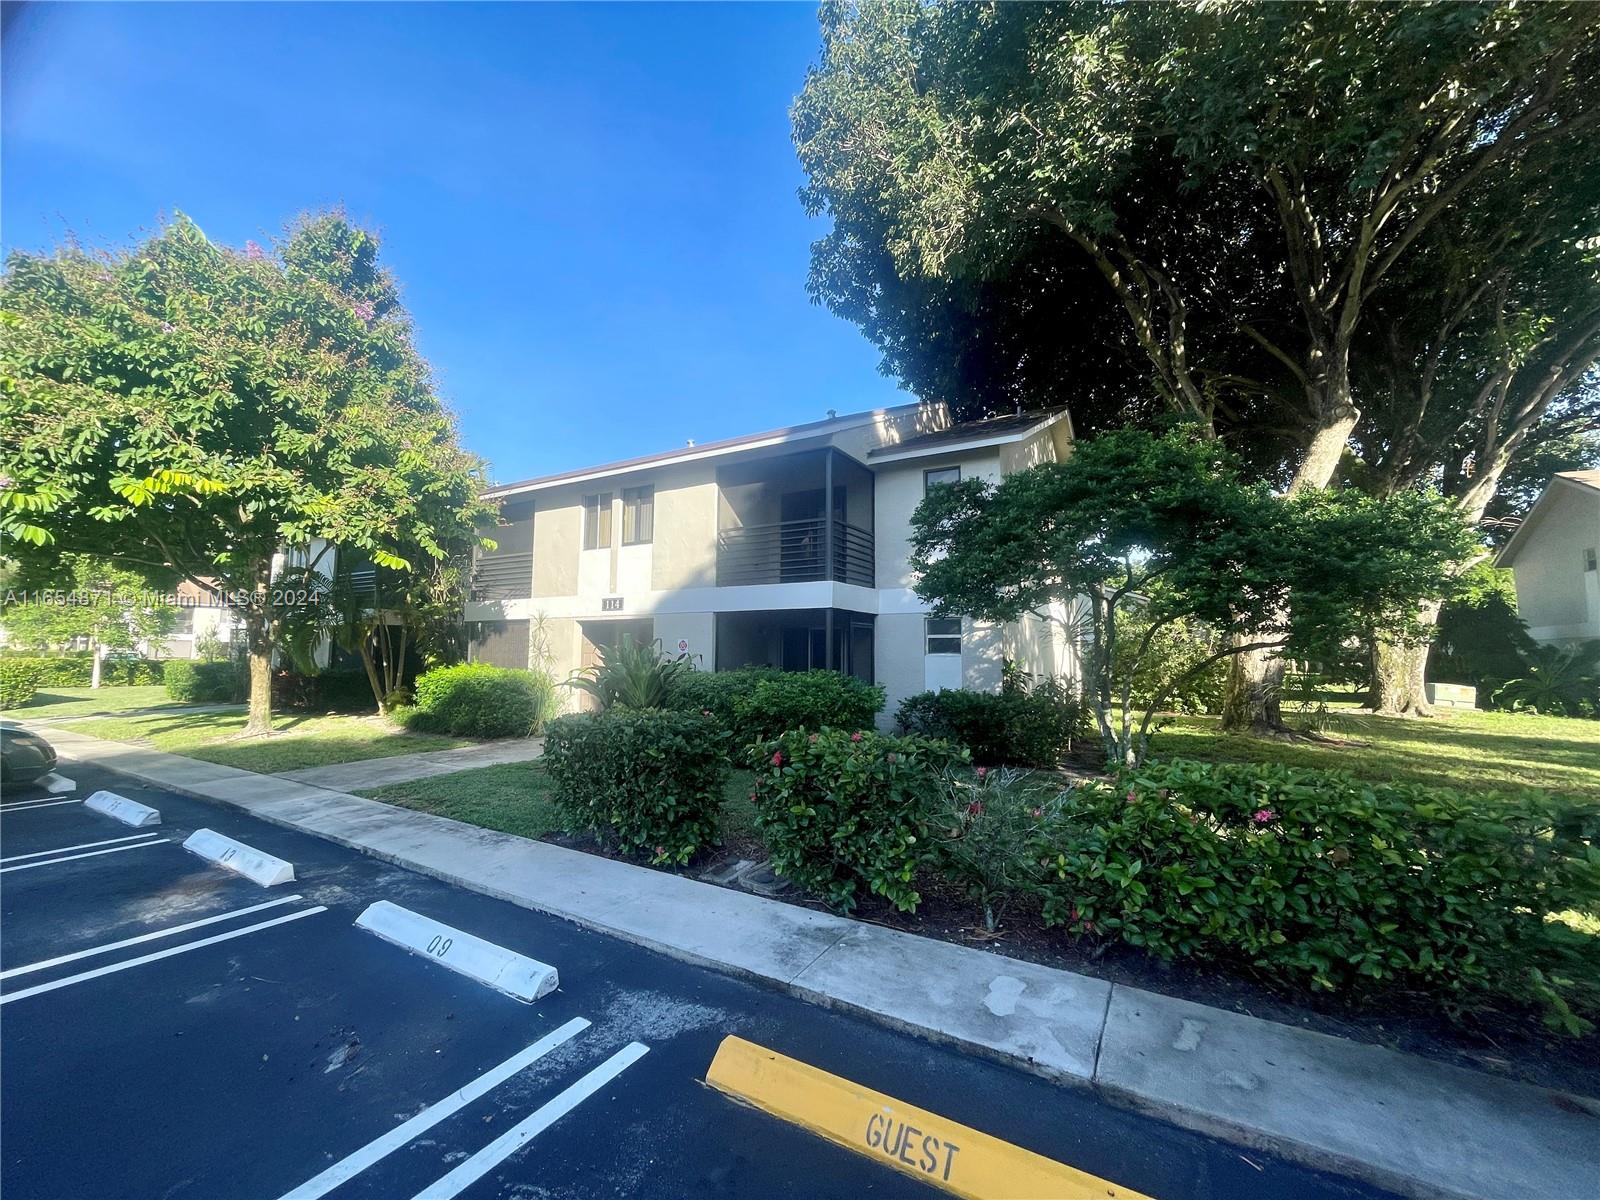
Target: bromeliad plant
column 631, row 676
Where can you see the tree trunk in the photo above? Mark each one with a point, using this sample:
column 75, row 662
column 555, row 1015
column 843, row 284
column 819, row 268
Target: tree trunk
column 1399, row 671
column 258, row 635
column 1251, row 700
column 1254, row 693
column 94, row 669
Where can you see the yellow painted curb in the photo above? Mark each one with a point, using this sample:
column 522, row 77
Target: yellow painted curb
column 899, row 1135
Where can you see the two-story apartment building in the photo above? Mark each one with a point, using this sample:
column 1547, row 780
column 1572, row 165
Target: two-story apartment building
column 786, row 548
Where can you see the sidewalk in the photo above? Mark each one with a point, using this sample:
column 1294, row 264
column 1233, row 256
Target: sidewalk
column 1401, row 1122
column 402, row 768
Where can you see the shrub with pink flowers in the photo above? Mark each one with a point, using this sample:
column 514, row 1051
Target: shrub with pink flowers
column 1332, row 882
column 839, row 809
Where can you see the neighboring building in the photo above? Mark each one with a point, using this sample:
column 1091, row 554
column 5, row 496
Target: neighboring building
column 199, row 613
column 1553, row 559
column 730, row 553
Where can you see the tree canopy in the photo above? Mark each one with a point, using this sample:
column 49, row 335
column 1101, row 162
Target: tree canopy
column 186, row 406
column 1168, row 524
column 1245, row 179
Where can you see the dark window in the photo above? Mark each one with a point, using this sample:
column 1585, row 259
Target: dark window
column 638, row 515
column 1589, row 559
column 934, row 476
column 944, row 635
column 597, row 521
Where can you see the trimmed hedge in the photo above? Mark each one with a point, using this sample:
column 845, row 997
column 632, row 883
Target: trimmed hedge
column 759, row 703
column 1009, row 728
column 478, row 700
column 647, row 782
column 839, row 809
column 1331, row 882
column 77, row 670
column 19, row 681
column 190, row 681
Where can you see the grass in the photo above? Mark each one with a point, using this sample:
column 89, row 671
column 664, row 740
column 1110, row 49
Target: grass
column 85, row 702
column 299, row 740
column 516, row 798
column 1474, row 751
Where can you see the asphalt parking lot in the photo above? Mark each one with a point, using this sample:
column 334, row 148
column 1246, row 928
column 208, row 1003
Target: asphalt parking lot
column 170, row 1029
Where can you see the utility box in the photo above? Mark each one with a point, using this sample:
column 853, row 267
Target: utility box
column 1452, row 695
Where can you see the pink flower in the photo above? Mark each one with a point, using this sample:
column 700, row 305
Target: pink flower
column 660, row 850
column 813, row 739
column 975, row 808
column 855, row 737
column 1038, row 812
column 1263, row 816
column 982, row 771
column 705, row 712
column 777, row 758
column 253, row 252
column 363, row 310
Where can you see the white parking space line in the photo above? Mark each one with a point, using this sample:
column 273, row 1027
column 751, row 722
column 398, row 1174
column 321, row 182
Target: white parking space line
column 353, row 1164
column 145, row 937
column 22, row 804
column 38, row 989
column 132, row 837
column 519, row 1135
column 87, row 854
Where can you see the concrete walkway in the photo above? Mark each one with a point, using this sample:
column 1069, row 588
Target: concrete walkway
column 401, row 768
column 1401, row 1122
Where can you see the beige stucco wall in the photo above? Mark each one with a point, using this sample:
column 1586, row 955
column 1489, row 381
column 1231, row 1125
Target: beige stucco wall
column 557, row 534
column 1556, row 597
column 686, row 529
column 897, row 493
column 898, row 650
column 699, row 629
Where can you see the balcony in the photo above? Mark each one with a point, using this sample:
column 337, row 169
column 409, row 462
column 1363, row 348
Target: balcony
column 795, row 552
column 503, row 577
column 795, row 518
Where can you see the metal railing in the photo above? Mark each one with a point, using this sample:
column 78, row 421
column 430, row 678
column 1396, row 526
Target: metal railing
column 503, row 577
column 794, row 552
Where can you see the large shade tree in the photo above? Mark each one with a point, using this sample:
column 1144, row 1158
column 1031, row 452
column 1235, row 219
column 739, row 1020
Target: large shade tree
column 188, row 407
column 1314, row 145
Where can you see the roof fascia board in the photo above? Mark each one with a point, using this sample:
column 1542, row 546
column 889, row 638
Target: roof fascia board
column 798, row 433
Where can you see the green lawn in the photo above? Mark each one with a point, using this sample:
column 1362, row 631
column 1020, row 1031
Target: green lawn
column 515, row 798
column 85, row 702
column 1485, row 751
column 298, row 741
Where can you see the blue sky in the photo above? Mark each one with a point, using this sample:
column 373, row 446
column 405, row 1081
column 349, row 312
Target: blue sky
column 591, row 207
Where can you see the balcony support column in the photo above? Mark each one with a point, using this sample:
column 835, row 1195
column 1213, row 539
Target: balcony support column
column 827, row 527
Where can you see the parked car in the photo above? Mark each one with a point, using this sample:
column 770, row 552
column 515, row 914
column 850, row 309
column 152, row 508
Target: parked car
column 24, row 755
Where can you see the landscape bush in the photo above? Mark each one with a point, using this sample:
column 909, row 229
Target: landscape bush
column 1330, row 882
column 191, row 682
column 759, row 703
column 479, row 700
column 647, row 782
column 985, row 827
column 838, row 809
column 340, row 691
column 77, row 670
column 19, row 681
column 1017, row 726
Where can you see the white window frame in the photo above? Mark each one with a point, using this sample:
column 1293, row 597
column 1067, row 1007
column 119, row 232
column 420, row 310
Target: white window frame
column 944, row 638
